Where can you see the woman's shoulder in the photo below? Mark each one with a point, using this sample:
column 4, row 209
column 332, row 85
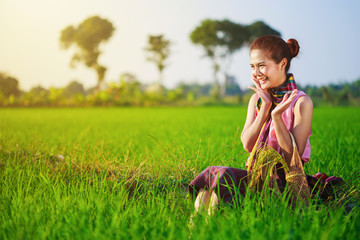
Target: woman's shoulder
column 303, row 98
column 303, row 102
column 253, row 99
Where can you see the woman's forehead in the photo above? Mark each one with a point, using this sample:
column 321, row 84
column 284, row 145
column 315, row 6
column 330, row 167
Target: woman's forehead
column 257, row 56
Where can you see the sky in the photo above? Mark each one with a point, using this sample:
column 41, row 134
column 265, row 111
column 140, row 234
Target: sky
column 328, row 33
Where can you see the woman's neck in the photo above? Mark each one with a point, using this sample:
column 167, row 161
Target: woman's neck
column 284, row 76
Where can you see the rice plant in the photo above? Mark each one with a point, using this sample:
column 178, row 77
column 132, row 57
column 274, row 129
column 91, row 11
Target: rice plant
column 122, row 173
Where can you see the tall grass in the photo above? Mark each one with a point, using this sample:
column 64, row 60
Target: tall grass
column 125, row 171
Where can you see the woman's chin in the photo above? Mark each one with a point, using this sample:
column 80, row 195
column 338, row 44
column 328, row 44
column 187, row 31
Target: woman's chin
column 264, row 86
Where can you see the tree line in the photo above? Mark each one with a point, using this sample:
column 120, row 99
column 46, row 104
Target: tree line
column 129, row 91
column 219, row 39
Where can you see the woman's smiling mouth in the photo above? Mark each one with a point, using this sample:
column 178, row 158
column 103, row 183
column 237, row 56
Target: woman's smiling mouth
column 262, row 80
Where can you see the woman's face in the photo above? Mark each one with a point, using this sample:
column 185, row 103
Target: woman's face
column 269, row 73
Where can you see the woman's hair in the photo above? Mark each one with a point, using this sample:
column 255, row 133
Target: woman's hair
column 276, row 48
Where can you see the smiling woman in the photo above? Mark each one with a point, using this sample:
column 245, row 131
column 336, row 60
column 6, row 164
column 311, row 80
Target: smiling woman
column 279, row 118
column 269, row 57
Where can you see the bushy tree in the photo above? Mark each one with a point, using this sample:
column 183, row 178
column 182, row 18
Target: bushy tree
column 9, row 85
column 197, row 90
column 219, row 39
column 232, row 88
column 73, row 88
column 157, row 51
column 87, row 37
column 258, row 29
column 130, row 82
column 37, row 96
column 130, row 89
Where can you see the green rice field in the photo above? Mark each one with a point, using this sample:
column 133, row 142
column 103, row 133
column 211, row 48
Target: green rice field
column 122, row 173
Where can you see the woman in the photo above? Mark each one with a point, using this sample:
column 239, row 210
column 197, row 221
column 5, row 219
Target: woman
column 276, row 111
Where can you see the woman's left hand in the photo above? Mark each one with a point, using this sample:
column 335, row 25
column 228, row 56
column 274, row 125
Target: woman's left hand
column 284, row 104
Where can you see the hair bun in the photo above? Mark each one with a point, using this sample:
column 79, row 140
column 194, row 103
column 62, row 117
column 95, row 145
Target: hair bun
column 293, row 46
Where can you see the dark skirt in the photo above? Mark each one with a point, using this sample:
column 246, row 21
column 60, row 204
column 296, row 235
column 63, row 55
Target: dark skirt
column 226, row 181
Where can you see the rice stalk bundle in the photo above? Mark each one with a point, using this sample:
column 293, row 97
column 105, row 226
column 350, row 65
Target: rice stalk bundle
column 263, row 172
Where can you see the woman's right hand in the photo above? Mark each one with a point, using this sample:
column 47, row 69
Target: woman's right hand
column 263, row 94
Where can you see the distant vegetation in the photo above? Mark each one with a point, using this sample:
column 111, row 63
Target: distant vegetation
column 219, row 39
column 129, row 91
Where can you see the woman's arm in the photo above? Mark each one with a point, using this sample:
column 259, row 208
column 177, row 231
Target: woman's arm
column 303, row 112
column 302, row 123
column 253, row 125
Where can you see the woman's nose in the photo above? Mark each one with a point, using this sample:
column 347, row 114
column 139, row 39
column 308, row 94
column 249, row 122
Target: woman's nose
column 256, row 71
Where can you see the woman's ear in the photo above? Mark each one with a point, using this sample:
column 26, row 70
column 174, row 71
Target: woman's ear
column 283, row 63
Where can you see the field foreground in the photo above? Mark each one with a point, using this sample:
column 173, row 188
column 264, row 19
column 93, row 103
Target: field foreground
column 122, row 173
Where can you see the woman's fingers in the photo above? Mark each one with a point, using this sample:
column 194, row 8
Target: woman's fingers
column 256, row 83
column 294, row 93
column 252, row 88
column 285, row 103
column 265, row 95
column 289, row 97
column 286, row 96
column 292, row 96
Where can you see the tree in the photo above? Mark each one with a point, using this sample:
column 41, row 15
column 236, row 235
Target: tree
column 9, row 85
column 232, row 88
column 37, row 96
column 198, row 90
column 87, row 37
column 130, row 88
column 221, row 39
column 260, row 28
column 73, row 88
column 158, row 50
column 130, row 84
column 355, row 88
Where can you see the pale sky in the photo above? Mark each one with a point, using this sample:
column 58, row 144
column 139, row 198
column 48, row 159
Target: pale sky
column 328, row 32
